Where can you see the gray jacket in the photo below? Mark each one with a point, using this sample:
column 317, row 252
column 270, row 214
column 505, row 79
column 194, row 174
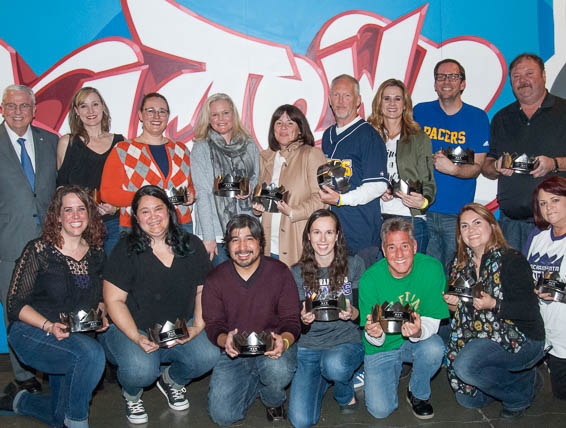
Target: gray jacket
column 206, row 223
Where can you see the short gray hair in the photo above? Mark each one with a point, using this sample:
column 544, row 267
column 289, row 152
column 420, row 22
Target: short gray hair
column 14, row 88
column 397, row 224
column 350, row 79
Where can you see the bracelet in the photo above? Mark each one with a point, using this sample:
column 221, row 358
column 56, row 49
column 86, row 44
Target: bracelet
column 555, row 165
column 45, row 322
column 287, row 342
column 425, row 204
column 339, row 201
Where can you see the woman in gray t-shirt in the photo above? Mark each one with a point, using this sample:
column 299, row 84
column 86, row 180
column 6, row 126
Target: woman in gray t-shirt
column 329, row 351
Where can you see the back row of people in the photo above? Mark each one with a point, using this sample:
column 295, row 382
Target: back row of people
column 157, row 160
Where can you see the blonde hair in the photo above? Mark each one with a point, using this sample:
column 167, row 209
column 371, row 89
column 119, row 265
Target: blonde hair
column 408, row 125
column 203, row 122
column 75, row 122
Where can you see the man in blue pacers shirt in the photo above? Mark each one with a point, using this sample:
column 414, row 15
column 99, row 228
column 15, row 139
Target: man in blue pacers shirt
column 449, row 122
column 361, row 151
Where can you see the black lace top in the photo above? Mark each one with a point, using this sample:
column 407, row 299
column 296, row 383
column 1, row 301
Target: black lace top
column 51, row 283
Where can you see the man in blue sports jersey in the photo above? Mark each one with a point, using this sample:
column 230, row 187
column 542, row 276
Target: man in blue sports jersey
column 361, row 151
column 449, row 122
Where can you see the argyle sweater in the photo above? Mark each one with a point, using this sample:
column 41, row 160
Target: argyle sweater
column 130, row 166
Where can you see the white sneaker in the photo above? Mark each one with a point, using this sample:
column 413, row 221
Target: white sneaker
column 359, row 380
column 135, row 412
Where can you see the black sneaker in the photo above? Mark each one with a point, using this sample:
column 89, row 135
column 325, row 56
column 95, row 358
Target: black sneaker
column 512, row 414
column 421, row 408
column 31, row 385
column 276, row 413
column 135, row 412
column 175, row 397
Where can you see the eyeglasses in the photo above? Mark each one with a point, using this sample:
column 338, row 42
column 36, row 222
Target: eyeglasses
column 13, row 107
column 153, row 112
column 451, row 77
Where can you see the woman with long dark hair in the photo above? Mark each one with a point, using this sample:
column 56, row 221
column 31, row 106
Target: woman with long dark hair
column 60, row 272
column 222, row 146
column 496, row 339
column 81, row 154
column 409, row 157
column 546, row 252
column 329, row 352
column 155, row 275
column 291, row 161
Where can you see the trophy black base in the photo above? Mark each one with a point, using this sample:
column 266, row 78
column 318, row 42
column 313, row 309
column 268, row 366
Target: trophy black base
column 327, row 314
column 557, row 295
column 177, row 200
column 391, row 326
column 252, row 350
column 87, row 326
column 228, row 193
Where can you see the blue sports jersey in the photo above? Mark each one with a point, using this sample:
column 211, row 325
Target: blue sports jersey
column 469, row 129
column 361, row 151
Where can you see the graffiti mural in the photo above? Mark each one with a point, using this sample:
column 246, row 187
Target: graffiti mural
column 265, row 54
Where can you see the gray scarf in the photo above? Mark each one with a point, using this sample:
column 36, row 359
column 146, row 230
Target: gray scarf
column 234, row 159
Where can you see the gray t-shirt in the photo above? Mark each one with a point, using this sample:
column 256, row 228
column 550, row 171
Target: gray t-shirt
column 325, row 335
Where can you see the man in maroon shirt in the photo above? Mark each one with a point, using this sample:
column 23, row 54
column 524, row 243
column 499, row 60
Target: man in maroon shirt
column 250, row 293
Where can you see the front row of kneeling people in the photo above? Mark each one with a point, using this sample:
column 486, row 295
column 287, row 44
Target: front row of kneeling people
column 160, row 272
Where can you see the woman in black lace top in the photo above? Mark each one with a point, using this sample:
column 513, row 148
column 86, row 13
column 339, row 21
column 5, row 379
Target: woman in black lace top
column 59, row 272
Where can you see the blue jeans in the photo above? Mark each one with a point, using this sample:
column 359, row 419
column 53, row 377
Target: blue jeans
column 236, row 383
column 137, row 370
column 442, row 237
column 112, row 235
column 383, row 370
column 316, row 370
column 516, row 232
column 222, row 255
column 187, row 227
column 74, row 364
column 498, row 374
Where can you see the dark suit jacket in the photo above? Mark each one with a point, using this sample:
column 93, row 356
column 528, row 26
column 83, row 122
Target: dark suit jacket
column 19, row 205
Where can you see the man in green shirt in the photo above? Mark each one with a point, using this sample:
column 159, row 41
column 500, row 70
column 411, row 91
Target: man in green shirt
column 403, row 276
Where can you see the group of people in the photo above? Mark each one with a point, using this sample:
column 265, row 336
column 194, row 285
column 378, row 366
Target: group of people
column 96, row 221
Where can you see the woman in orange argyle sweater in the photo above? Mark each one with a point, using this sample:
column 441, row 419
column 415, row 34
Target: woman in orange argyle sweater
column 149, row 159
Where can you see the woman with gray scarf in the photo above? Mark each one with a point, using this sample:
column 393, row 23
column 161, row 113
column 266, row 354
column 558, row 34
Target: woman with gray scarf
column 222, row 146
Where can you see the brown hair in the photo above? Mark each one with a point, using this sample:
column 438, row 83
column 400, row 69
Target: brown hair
column 75, row 122
column 94, row 232
column 154, row 95
column 338, row 269
column 408, row 125
column 296, row 115
column 524, row 56
column 496, row 241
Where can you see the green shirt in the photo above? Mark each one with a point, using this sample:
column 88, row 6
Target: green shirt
column 422, row 288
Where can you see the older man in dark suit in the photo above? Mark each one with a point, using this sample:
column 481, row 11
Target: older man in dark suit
column 27, row 173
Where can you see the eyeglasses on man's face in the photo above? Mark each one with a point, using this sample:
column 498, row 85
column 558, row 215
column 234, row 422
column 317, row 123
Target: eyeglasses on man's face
column 441, row 77
column 25, row 107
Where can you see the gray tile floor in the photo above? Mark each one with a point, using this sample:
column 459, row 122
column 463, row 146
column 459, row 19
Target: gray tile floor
column 108, row 410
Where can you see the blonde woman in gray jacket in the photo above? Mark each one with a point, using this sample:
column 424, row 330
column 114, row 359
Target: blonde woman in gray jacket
column 222, row 146
column 409, row 157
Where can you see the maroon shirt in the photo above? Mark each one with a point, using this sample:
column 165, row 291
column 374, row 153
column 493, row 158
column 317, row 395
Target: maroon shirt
column 267, row 301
